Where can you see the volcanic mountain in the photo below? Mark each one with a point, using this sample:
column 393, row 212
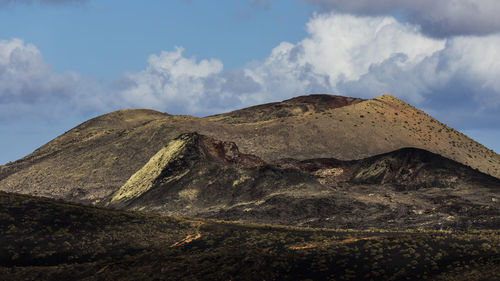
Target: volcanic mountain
column 198, row 176
column 94, row 160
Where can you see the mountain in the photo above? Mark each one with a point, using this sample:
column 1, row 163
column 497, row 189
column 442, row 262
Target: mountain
column 47, row 239
column 198, row 176
column 93, row 160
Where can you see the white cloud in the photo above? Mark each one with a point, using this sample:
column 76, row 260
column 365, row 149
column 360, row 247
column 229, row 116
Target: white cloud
column 368, row 56
column 341, row 49
column 463, row 73
column 343, row 54
column 171, row 81
column 23, row 73
column 348, row 45
column 438, row 18
column 28, row 86
column 476, row 59
column 25, row 79
column 283, row 75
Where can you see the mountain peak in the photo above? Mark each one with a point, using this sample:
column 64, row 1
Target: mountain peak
column 323, row 100
column 391, row 99
column 386, row 96
column 134, row 113
column 296, row 106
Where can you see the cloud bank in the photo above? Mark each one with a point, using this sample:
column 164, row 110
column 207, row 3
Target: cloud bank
column 456, row 78
column 441, row 18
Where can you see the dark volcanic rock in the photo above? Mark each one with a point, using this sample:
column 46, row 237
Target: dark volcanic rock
column 406, row 168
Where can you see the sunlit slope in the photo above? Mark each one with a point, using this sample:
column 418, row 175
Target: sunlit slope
column 92, row 160
column 357, row 131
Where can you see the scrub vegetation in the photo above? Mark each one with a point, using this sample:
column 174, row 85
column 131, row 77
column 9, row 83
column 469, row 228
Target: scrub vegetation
column 45, row 239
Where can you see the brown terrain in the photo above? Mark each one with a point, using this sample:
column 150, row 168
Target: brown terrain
column 93, row 160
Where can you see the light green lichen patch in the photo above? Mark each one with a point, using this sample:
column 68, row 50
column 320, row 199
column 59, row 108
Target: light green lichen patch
column 334, row 172
column 374, row 171
column 142, row 180
column 241, row 179
column 189, row 194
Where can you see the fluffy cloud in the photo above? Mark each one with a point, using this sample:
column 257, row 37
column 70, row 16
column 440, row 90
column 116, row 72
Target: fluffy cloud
column 366, row 56
column 341, row 49
column 29, row 87
column 461, row 75
column 25, row 79
column 343, row 54
column 437, row 18
column 172, row 81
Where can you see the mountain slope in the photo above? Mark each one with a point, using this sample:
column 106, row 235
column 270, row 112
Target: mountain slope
column 93, row 160
column 358, row 131
column 189, row 158
column 199, row 176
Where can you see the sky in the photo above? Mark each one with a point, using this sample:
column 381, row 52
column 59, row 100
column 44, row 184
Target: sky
column 63, row 62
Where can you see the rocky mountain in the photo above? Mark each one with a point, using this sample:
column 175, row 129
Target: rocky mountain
column 198, row 176
column 92, row 161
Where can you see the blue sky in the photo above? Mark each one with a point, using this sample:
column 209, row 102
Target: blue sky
column 106, row 38
column 65, row 61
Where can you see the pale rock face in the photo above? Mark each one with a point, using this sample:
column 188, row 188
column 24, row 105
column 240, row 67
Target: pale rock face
column 143, row 180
